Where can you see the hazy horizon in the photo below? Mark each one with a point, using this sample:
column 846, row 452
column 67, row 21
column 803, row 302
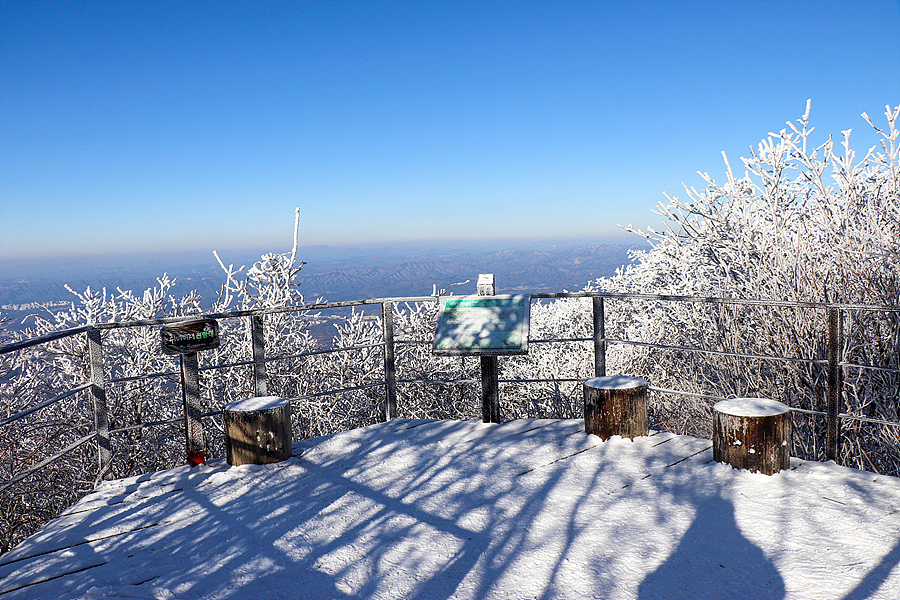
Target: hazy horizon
column 54, row 267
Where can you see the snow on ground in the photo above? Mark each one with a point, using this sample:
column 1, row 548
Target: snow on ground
column 461, row 509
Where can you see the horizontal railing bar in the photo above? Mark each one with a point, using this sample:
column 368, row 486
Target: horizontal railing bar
column 869, row 420
column 530, row 341
column 45, row 404
column 681, row 393
column 274, row 358
column 717, row 300
column 262, row 311
column 688, row 349
column 245, row 363
column 856, row 366
column 164, row 422
column 326, row 351
column 242, row 363
column 815, row 361
column 553, row 295
column 176, row 373
column 16, row 478
column 543, row 380
column 332, row 350
column 432, row 381
column 337, row 391
column 43, row 339
column 610, row 340
column 846, row 416
column 806, row 411
column 147, row 376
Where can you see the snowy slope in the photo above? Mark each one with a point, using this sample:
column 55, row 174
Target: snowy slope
column 449, row 509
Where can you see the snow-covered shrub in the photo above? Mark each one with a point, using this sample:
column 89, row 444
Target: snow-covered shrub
column 803, row 223
column 43, row 372
column 143, row 384
column 557, row 361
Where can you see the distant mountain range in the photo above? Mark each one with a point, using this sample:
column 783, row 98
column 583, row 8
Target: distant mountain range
column 515, row 271
column 375, row 275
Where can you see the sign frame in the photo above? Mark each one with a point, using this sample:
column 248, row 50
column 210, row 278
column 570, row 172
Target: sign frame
column 482, row 325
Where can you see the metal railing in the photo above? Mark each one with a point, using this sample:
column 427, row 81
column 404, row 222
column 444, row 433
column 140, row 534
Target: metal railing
column 96, row 384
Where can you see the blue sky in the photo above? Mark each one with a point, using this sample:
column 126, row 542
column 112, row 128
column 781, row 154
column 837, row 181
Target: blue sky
column 132, row 127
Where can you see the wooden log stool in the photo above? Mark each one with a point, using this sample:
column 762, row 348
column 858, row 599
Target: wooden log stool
column 615, row 406
column 257, row 430
column 753, row 434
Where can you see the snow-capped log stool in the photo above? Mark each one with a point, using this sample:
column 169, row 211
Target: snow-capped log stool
column 753, row 434
column 257, row 430
column 615, row 405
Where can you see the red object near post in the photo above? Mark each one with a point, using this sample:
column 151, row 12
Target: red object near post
column 196, row 458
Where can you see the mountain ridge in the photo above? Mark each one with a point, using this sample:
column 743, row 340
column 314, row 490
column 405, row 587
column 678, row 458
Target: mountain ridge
column 373, row 276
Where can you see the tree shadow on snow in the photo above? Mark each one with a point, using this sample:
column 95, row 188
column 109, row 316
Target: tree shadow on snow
column 714, row 560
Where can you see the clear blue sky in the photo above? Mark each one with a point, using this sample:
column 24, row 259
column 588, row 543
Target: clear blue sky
column 135, row 126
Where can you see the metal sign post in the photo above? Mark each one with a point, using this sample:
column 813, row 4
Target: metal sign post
column 186, row 339
column 190, row 394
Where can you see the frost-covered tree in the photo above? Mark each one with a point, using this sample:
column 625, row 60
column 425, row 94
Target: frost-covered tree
column 143, row 389
column 43, row 372
column 802, row 223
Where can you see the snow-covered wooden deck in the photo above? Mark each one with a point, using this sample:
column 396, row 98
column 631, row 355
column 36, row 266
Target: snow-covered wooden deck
column 461, row 509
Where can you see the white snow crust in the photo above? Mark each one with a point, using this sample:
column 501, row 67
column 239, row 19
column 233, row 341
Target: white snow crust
column 615, row 382
column 465, row 510
column 750, row 407
column 256, row 403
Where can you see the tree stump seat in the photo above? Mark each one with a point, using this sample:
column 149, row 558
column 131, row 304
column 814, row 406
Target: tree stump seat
column 615, row 405
column 257, row 430
column 753, row 434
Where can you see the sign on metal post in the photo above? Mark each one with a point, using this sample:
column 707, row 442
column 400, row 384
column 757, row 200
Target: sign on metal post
column 482, row 325
column 186, row 339
column 190, row 336
column 486, row 326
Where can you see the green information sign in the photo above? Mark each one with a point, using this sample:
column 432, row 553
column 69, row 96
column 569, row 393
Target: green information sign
column 482, row 325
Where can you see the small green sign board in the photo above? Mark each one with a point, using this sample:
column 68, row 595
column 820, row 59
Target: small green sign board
column 483, row 325
column 190, row 336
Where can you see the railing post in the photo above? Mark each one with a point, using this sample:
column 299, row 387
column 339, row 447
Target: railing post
column 257, row 336
column 98, row 390
column 390, row 373
column 599, row 337
column 835, row 384
column 490, row 369
column 193, row 425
